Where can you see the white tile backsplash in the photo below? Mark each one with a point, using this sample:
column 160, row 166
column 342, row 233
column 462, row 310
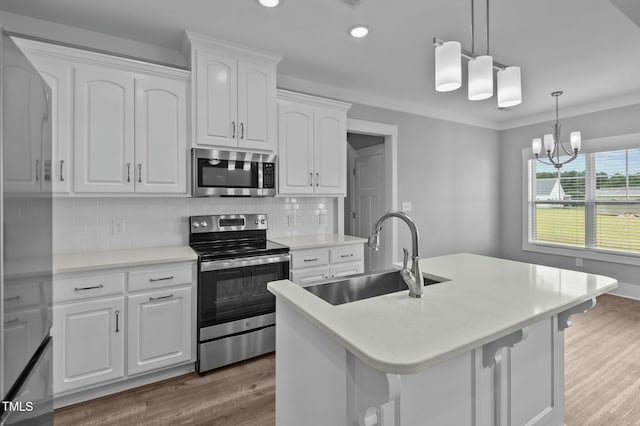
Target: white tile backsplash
column 85, row 224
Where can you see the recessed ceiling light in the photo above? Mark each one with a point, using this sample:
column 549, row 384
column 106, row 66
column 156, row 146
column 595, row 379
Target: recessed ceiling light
column 359, row 31
column 269, row 3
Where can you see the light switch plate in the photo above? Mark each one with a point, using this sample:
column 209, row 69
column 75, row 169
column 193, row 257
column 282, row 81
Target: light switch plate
column 291, row 219
column 323, row 217
column 407, row 206
column 579, row 261
column 117, row 226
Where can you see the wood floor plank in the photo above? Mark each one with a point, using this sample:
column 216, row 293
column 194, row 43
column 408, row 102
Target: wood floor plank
column 602, row 375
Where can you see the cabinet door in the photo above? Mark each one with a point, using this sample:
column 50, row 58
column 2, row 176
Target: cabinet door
column 59, row 76
column 160, row 135
column 88, row 343
column 330, row 151
column 309, row 276
column 159, row 329
column 216, row 97
column 256, row 106
column 23, row 125
column 104, row 136
column 295, row 148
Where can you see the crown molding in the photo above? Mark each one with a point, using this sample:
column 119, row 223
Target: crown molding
column 573, row 111
column 358, row 97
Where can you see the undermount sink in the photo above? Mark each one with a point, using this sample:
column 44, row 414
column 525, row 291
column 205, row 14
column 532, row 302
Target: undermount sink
column 363, row 286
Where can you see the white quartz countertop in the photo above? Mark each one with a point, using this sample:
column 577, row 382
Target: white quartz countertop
column 485, row 299
column 76, row 262
column 300, row 242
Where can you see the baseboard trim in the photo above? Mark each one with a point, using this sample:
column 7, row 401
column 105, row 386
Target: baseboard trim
column 121, row 385
column 630, row 291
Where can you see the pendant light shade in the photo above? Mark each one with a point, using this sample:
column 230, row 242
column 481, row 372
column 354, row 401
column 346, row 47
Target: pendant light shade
column 509, row 88
column 480, row 78
column 448, row 66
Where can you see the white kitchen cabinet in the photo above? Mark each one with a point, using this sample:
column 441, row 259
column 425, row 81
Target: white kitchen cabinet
column 234, row 95
column 113, row 327
column 104, row 130
column 312, row 145
column 124, row 121
column 24, row 125
column 59, row 75
column 160, row 135
column 88, row 344
column 311, row 266
column 159, row 329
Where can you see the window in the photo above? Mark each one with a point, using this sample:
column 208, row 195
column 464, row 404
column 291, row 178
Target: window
column 590, row 205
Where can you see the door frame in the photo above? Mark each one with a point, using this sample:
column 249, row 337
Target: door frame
column 390, row 134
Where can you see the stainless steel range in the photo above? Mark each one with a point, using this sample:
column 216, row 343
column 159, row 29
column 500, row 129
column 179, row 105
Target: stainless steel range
column 236, row 312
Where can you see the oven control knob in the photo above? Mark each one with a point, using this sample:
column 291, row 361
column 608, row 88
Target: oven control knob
column 203, row 224
column 196, row 225
column 262, row 221
column 257, row 221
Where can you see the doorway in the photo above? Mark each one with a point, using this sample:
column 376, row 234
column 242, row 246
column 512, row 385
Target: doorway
column 371, row 188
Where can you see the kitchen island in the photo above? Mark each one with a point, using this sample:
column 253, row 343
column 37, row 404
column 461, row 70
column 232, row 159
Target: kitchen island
column 483, row 348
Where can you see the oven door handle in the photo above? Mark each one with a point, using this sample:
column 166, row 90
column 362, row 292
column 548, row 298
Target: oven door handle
column 217, row 265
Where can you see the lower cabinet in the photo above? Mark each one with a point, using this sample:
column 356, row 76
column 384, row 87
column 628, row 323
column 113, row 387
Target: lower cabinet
column 158, row 326
column 88, row 343
column 312, row 266
column 109, row 326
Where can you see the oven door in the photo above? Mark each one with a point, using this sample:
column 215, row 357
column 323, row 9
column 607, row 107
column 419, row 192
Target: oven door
column 232, row 290
column 228, row 173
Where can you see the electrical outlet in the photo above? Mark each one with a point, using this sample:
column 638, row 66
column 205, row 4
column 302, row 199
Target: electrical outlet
column 323, row 217
column 291, row 219
column 579, row 261
column 407, row 206
column 117, row 226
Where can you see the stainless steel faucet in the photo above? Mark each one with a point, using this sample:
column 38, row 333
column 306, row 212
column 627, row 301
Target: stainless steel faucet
column 412, row 278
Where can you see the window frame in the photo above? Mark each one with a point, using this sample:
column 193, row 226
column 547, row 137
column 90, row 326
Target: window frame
column 629, row 141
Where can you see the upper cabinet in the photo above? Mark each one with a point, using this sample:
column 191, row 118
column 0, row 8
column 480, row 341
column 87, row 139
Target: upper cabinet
column 233, row 95
column 118, row 125
column 312, row 145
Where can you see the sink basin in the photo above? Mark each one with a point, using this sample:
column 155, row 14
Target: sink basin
column 360, row 287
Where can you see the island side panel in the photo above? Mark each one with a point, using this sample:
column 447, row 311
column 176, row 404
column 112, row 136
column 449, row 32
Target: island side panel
column 311, row 378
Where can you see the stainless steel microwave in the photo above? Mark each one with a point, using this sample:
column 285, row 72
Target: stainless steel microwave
column 232, row 174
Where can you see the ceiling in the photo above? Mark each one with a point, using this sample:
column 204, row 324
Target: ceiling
column 587, row 48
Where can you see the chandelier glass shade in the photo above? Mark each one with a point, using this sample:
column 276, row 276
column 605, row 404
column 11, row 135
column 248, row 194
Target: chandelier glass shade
column 448, row 66
column 553, row 145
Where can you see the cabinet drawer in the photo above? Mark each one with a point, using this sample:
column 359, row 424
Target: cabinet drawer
column 158, row 277
column 308, row 258
column 347, row 254
column 346, row 269
column 21, row 293
column 309, row 276
column 88, row 286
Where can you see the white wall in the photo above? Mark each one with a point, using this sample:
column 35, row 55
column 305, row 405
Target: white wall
column 450, row 172
column 85, row 224
column 612, row 122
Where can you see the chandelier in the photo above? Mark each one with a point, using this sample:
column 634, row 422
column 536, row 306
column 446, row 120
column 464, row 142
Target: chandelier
column 553, row 143
column 480, row 71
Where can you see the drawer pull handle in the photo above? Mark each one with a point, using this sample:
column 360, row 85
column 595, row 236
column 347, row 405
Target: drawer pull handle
column 153, row 280
column 311, row 260
column 11, row 321
column 11, row 299
column 347, row 255
column 117, row 321
column 88, row 288
column 169, row 296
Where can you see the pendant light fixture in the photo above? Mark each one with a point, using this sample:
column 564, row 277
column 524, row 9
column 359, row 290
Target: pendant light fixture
column 480, row 71
column 553, row 143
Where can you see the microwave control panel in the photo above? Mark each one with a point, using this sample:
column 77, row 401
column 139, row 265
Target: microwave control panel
column 268, row 175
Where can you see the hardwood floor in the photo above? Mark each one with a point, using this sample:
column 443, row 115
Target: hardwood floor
column 602, row 365
column 602, row 373
column 239, row 395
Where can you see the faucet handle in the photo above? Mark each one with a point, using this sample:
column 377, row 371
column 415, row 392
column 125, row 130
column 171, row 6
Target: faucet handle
column 405, row 259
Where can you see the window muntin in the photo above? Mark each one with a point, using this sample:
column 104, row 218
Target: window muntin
column 591, row 203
